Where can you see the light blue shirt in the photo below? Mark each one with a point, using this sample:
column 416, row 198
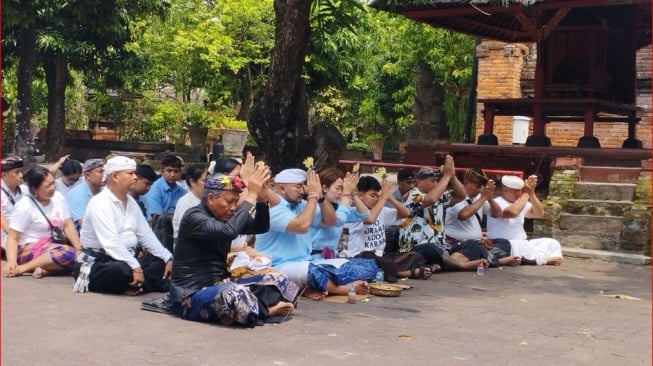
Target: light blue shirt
column 78, row 198
column 162, row 199
column 329, row 237
column 286, row 247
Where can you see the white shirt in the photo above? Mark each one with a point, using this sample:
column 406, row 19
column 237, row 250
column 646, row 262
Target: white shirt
column 469, row 228
column 507, row 228
column 187, row 201
column 118, row 230
column 30, row 222
column 9, row 204
column 364, row 237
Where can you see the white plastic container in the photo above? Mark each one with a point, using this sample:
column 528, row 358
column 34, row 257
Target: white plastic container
column 520, row 129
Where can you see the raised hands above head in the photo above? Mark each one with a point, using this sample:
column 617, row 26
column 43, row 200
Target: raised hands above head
column 530, row 184
column 487, row 191
column 248, row 167
column 350, row 182
column 313, row 185
column 258, row 181
column 386, row 191
column 448, row 167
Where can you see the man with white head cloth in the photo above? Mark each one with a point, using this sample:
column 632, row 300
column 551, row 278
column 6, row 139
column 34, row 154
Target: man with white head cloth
column 288, row 242
column 113, row 229
column 517, row 202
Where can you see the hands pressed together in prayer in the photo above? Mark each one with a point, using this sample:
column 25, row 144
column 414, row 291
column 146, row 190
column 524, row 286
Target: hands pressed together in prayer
column 313, row 185
column 258, row 182
column 448, row 168
column 349, row 183
column 385, row 190
column 248, row 168
column 530, row 184
column 487, row 191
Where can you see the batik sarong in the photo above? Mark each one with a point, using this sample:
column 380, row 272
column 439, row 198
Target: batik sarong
column 225, row 303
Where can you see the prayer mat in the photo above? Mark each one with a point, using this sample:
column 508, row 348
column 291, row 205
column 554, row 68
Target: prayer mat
column 278, row 319
column 342, row 299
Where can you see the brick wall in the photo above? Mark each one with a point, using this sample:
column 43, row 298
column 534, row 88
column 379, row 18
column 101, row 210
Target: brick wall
column 507, row 71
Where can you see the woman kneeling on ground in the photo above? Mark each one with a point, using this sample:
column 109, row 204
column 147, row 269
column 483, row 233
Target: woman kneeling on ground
column 31, row 247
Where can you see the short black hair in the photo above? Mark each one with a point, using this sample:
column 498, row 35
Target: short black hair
column 194, row 172
column 146, row 171
column 405, row 174
column 225, row 165
column 71, row 166
column 368, row 183
column 172, row 161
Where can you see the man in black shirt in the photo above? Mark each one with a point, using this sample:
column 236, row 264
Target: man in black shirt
column 201, row 289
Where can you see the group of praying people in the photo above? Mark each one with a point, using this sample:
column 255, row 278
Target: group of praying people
column 233, row 243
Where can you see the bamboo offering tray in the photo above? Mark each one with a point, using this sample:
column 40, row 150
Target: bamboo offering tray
column 384, row 289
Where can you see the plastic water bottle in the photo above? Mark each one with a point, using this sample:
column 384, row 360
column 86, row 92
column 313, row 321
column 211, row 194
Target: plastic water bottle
column 379, row 276
column 351, row 296
column 480, row 270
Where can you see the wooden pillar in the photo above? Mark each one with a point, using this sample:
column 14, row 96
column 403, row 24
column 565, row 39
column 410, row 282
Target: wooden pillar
column 538, row 120
column 589, row 120
column 488, row 116
column 632, row 126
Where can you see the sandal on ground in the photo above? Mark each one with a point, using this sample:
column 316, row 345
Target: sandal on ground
column 420, row 273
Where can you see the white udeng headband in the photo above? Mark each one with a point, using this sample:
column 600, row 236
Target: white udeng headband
column 117, row 164
column 290, row 176
column 512, row 181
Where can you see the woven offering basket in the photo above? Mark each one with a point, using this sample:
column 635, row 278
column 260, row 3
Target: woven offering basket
column 384, row 289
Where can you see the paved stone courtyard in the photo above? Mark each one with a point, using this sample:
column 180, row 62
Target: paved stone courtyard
column 510, row 316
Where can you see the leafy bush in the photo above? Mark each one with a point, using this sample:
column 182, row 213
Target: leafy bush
column 359, row 146
column 233, row 124
column 375, row 136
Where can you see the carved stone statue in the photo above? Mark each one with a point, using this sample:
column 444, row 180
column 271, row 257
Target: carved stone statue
column 430, row 124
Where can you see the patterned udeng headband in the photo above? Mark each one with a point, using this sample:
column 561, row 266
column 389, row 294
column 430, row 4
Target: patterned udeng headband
column 12, row 162
column 476, row 176
column 221, row 182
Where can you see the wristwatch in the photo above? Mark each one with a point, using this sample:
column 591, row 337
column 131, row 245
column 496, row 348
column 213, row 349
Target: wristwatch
column 320, row 200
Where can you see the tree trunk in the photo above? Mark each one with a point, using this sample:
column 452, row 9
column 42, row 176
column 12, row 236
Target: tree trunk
column 471, row 99
column 245, row 77
column 274, row 118
column 25, row 70
column 56, row 76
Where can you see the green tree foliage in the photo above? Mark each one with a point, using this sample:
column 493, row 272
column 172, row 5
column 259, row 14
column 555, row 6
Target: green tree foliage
column 215, row 51
column 179, row 60
column 365, row 75
column 87, row 35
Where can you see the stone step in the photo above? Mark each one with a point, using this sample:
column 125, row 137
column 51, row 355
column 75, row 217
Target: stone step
column 590, row 223
column 608, row 174
column 589, row 232
column 597, row 207
column 589, row 240
column 604, row 191
column 628, row 258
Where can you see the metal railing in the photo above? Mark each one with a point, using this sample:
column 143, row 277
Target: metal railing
column 488, row 172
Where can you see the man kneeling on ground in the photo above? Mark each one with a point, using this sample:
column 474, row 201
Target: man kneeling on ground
column 200, row 287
